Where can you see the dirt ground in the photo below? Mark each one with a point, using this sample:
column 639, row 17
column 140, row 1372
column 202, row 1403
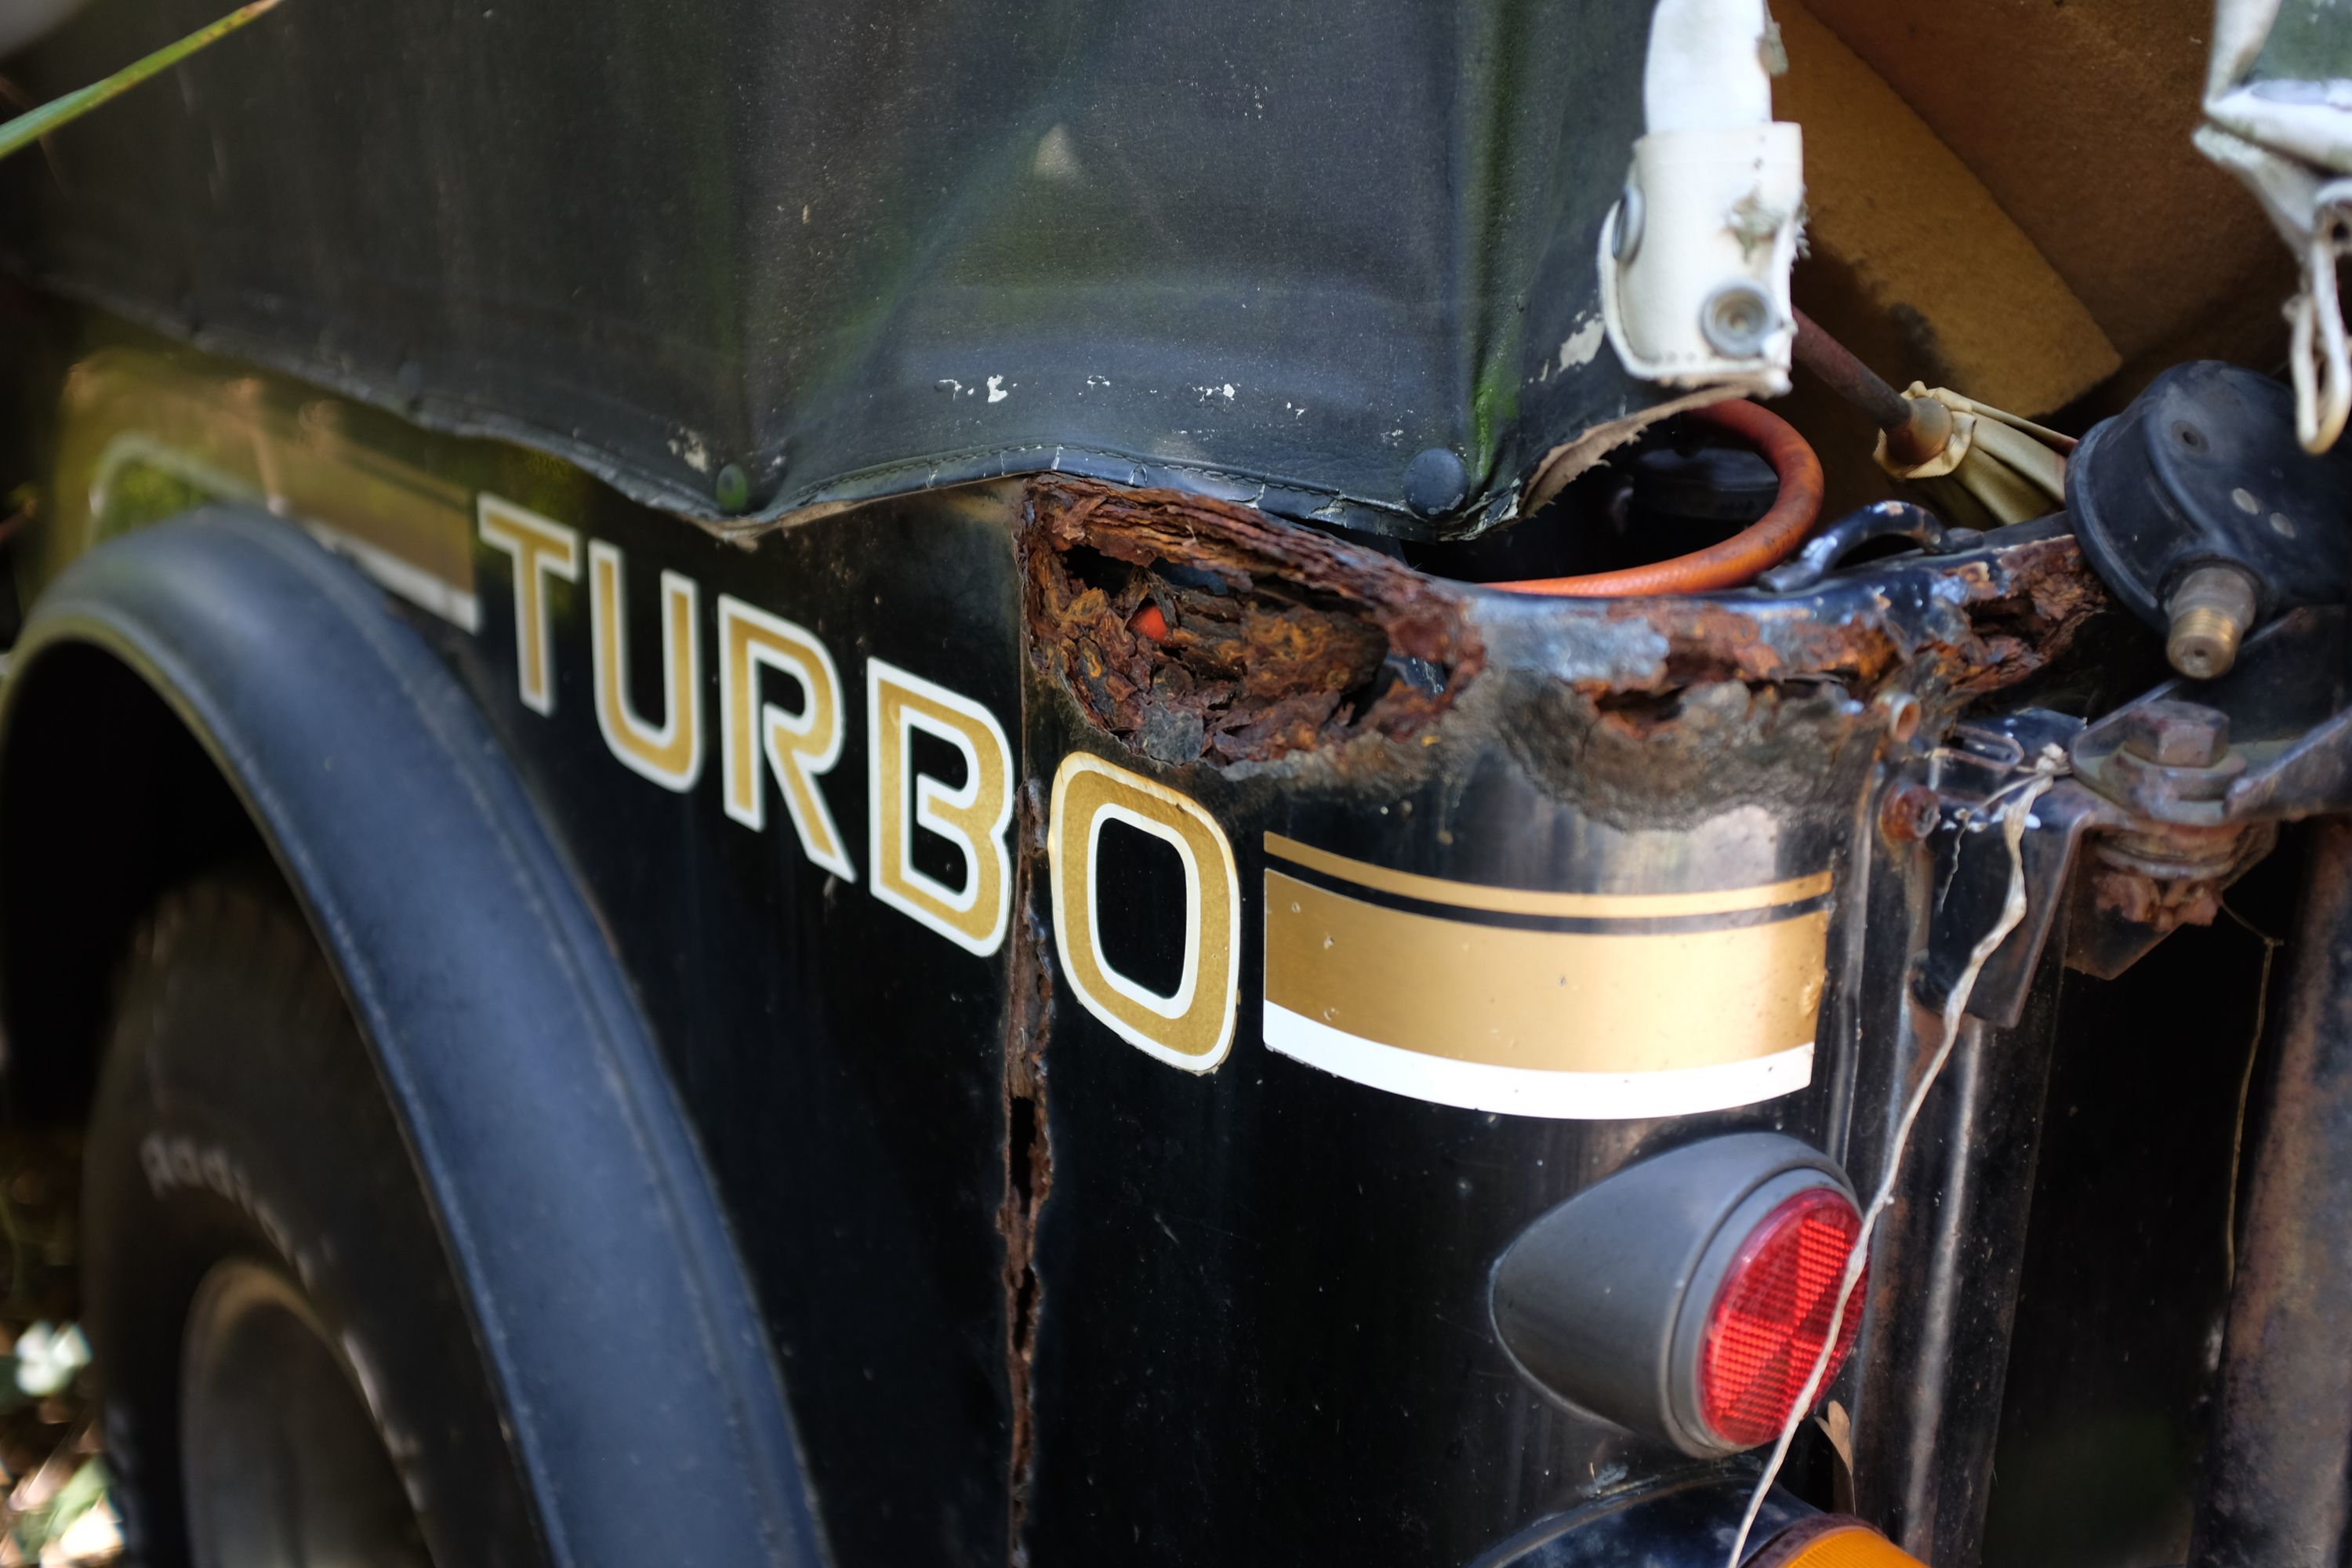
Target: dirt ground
column 53, row 1483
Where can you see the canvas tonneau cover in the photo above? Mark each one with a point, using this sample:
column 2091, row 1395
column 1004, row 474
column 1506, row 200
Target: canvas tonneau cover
column 744, row 259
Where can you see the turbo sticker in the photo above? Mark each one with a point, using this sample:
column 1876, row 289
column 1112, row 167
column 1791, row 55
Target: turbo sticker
column 1588, row 1005
column 799, row 741
column 1515, row 1000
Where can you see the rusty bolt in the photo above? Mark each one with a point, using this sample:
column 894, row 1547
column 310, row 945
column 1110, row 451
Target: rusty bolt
column 2177, row 735
column 1910, row 813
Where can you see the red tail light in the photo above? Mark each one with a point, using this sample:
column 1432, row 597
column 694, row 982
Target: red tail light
column 1686, row 1296
column 1772, row 1314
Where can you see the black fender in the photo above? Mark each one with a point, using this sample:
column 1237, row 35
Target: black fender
column 647, row 1414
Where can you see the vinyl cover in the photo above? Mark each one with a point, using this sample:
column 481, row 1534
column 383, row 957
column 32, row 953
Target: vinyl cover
column 1269, row 249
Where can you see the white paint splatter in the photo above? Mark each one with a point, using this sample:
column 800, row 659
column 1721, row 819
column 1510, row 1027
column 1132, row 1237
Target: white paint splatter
column 996, row 389
column 689, row 447
column 1583, row 345
column 1057, row 157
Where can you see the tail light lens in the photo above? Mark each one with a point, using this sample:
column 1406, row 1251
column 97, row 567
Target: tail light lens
column 1772, row 1314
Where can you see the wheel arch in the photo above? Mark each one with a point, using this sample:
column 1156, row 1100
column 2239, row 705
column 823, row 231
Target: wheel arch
column 221, row 682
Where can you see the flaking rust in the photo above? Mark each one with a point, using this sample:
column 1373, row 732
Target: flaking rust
column 1196, row 629
column 1028, row 1162
column 2024, row 608
column 2001, row 617
column 1668, row 710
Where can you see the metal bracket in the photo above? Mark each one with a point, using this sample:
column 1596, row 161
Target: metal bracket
column 1880, row 519
column 1971, row 858
column 2168, row 800
column 2287, row 707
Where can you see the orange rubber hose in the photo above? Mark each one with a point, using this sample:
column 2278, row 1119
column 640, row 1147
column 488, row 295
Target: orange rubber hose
column 1735, row 562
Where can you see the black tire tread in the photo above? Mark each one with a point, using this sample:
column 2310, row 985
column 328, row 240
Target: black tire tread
column 234, row 1067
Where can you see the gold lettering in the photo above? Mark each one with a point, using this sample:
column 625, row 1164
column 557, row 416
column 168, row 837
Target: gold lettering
column 973, row 816
column 541, row 548
column 1193, row 1027
column 669, row 753
column 800, row 746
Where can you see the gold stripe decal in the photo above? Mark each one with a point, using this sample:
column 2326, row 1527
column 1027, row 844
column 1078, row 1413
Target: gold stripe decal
column 1528, row 902
column 1559, row 1004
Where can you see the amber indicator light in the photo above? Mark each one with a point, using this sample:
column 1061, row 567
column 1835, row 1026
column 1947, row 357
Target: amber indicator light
column 1832, row 1542
column 1773, row 1312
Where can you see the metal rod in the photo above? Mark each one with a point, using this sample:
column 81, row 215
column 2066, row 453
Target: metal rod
column 1848, row 377
column 2273, row 1491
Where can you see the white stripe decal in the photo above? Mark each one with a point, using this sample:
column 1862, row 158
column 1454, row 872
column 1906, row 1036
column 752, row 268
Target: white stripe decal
column 1532, row 1091
column 425, row 589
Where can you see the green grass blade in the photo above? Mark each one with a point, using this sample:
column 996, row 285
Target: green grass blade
column 30, row 127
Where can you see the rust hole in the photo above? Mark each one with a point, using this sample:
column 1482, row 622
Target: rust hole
column 1195, row 629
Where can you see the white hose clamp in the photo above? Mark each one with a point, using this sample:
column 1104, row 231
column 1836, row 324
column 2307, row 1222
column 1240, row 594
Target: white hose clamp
column 1701, row 297
column 1694, row 259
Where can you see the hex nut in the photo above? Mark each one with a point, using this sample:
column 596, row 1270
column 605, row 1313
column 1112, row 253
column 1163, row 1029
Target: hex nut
column 2176, row 734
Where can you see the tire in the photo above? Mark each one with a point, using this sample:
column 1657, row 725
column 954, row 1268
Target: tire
column 287, row 1366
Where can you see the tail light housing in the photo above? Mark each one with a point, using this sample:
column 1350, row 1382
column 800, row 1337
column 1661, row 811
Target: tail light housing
column 1689, row 1295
